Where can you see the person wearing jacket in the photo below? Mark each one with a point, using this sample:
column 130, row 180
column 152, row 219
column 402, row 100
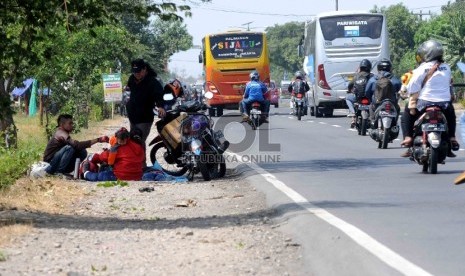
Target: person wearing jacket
column 361, row 77
column 297, row 84
column 255, row 91
column 146, row 94
column 62, row 151
column 125, row 158
column 384, row 68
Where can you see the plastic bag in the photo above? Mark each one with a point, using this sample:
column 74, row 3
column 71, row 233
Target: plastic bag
column 38, row 169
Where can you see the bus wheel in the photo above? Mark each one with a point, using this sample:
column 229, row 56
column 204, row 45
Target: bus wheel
column 211, row 112
column 219, row 111
column 317, row 112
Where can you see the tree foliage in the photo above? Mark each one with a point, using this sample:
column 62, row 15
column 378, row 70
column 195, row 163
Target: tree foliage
column 402, row 26
column 57, row 41
column 283, row 41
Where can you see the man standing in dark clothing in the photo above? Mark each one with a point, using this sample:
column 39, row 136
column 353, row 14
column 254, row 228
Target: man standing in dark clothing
column 146, row 93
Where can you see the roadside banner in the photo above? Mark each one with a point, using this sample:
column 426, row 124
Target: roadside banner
column 112, row 87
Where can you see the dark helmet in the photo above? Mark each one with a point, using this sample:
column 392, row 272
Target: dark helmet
column 429, row 50
column 298, row 75
column 384, row 65
column 365, row 65
column 254, row 75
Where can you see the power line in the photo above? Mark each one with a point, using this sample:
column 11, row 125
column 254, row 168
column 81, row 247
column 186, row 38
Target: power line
column 257, row 13
column 429, row 7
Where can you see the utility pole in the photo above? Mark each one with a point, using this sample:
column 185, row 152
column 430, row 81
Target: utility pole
column 421, row 14
column 337, row 4
column 248, row 25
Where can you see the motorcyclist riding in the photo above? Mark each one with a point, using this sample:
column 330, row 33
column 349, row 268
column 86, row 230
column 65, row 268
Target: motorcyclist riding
column 429, row 84
column 384, row 68
column 294, row 87
column 255, row 91
column 363, row 73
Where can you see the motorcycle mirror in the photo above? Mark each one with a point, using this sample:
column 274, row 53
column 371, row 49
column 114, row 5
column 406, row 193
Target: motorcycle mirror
column 208, row 95
column 168, row 97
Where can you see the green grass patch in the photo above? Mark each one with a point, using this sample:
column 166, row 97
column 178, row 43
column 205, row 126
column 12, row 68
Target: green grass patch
column 108, row 184
column 14, row 163
column 2, row 256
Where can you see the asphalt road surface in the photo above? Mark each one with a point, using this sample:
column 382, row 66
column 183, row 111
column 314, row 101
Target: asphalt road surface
column 356, row 209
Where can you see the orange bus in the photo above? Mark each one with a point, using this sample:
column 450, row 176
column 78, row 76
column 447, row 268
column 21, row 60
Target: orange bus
column 228, row 58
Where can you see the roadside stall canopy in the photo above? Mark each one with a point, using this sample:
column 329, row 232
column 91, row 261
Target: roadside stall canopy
column 19, row 91
column 45, row 91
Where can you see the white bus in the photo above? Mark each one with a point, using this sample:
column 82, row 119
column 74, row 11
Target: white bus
column 334, row 43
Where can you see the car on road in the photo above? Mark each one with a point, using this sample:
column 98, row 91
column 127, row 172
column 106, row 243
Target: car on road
column 274, row 94
column 284, row 93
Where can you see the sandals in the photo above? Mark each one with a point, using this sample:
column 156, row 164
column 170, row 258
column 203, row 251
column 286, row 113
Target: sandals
column 407, row 142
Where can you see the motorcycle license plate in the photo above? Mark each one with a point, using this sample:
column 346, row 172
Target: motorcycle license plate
column 386, row 114
column 433, row 127
column 254, row 111
column 363, row 107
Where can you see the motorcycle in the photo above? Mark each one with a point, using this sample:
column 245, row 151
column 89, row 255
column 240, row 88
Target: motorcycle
column 188, row 143
column 124, row 102
column 256, row 116
column 430, row 139
column 362, row 113
column 385, row 128
column 300, row 106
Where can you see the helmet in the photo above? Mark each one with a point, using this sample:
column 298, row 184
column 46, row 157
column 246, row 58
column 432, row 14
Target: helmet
column 429, row 50
column 254, row 75
column 365, row 65
column 299, row 75
column 384, row 65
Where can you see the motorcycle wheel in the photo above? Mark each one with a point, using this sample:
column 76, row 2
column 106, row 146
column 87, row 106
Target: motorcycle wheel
column 217, row 169
column 363, row 127
column 385, row 139
column 433, row 161
column 299, row 112
column 256, row 121
column 157, row 153
column 203, row 168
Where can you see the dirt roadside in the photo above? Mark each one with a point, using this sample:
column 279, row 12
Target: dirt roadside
column 195, row 228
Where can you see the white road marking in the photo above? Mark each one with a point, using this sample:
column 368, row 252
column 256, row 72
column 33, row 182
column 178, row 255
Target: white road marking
column 323, row 123
column 336, row 125
column 381, row 251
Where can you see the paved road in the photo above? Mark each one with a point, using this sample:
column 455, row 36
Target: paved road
column 414, row 221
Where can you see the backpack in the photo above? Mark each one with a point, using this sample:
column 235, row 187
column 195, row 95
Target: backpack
column 298, row 86
column 360, row 83
column 384, row 89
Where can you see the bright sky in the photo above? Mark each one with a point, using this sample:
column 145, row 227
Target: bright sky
column 221, row 15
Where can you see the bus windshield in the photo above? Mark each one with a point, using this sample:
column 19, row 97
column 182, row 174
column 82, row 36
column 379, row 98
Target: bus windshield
column 236, row 46
column 351, row 26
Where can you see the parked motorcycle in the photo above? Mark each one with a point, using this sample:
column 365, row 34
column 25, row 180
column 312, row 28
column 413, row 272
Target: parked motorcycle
column 188, row 143
column 300, row 105
column 362, row 114
column 385, row 128
column 124, row 102
column 430, row 139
